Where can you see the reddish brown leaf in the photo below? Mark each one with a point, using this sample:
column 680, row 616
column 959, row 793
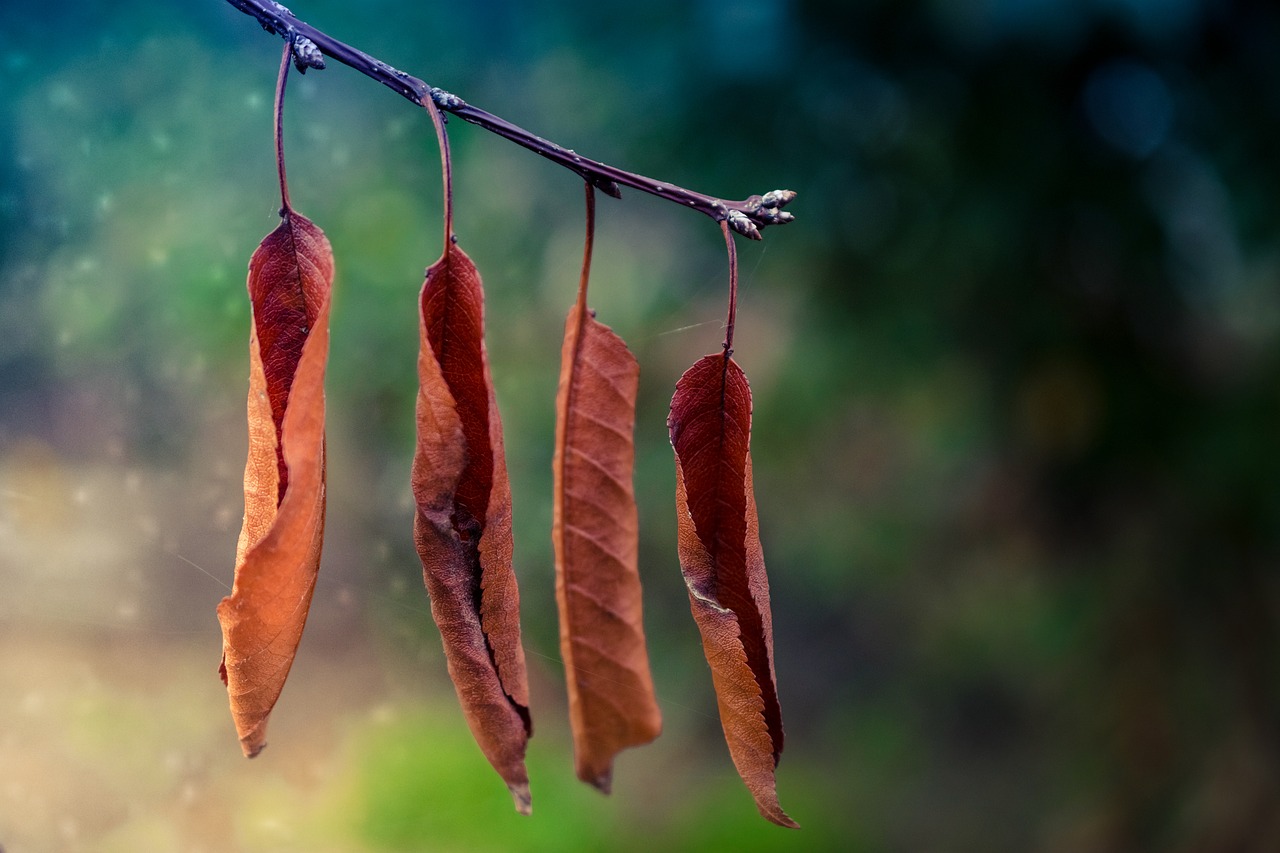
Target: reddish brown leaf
column 278, row 554
column 596, row 536
column 463, row 523
column 723, row 565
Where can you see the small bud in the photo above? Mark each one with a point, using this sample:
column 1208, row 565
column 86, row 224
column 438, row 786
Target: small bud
column 777, row 198
column 608, row 187
column 446, row 100
column 773, row 216
column 739, row 222
column 306, row 54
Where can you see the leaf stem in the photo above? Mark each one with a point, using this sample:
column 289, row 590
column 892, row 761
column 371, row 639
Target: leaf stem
column 587, row 246
column 733, row 289
column 310, row 46
column 285, row 207
column 446, row 170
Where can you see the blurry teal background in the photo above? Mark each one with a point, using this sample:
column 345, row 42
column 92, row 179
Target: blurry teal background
column 1017, row 404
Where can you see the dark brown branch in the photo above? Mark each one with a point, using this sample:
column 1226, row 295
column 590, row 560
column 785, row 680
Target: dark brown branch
column 311, row 45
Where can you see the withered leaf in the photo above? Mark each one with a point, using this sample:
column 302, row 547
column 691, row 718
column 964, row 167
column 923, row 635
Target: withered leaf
column 463, row 523
column 723, row 566
column 595, row 532
column 278, row 553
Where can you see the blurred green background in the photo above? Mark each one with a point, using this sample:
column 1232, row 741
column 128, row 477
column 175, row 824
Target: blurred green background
column 1017, row 399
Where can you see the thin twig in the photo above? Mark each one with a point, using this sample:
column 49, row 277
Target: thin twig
column 311, row 45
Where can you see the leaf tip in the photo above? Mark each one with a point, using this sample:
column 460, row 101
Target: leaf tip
column 523, row 799
column 764, row 791
column 766, row 796
column 602, row 782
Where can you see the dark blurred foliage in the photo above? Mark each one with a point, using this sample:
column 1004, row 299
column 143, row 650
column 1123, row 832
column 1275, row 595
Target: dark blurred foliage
column 1016, row 364
column 1069, row 208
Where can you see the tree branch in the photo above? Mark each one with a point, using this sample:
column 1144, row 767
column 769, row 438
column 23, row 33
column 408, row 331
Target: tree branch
column 311, row 45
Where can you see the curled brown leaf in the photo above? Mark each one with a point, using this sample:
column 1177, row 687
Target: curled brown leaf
column 462, row 527
column 723, row 566
column 278, row 553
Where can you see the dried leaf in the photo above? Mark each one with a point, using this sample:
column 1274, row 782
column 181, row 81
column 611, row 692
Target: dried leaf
column 596, row 536
column 278, row 554
column 463, row 524
column 723, row 566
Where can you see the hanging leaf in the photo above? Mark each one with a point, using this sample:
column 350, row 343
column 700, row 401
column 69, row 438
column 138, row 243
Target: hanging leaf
column 463, row 524
column 723, row 566
column 278, row 554
column 595, row 532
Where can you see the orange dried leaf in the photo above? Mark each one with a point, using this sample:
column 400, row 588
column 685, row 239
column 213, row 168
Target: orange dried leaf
column 596, row 537
column 278, row 553
column 463, row 523
column 723, row 566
